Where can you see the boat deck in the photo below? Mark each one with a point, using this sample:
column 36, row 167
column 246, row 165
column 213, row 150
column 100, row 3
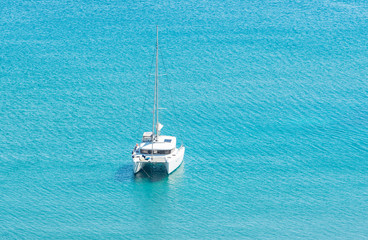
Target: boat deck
column 152, row 159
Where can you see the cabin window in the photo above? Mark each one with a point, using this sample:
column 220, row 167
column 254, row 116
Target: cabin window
column 164, row 151
column 167, row 140
column 156, row 151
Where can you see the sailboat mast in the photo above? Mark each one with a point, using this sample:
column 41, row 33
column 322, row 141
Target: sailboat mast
column 157, row 132
column 155, row 99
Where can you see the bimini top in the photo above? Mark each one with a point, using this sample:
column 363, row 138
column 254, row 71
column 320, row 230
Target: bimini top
column 162, row 143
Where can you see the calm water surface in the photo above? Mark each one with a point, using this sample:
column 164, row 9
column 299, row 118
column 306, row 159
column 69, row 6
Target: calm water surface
column 269, row 97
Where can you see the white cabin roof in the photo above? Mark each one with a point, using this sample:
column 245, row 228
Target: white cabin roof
column 147, row 134
column 162, row 143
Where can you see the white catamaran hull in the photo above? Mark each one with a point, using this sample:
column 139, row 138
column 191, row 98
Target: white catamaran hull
column 138, row 166
column 171, row 162
column 174, row 163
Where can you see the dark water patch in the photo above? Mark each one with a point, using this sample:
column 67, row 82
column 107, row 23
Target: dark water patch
column 125, row 173
column 151, row 173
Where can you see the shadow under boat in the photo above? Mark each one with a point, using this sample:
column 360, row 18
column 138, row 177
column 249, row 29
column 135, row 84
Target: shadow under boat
column 150, row 172
column 124, row 173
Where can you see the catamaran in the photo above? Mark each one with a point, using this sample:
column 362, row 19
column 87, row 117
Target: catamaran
column 157, row 149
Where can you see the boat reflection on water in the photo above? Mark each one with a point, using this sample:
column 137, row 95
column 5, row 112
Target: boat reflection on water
column 156, row 173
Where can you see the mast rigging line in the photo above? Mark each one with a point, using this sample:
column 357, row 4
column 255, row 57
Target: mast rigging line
column 159, row 54
column 171, row 93
column 145, row 95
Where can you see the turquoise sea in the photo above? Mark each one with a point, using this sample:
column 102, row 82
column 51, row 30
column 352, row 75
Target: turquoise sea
column 269, row 97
